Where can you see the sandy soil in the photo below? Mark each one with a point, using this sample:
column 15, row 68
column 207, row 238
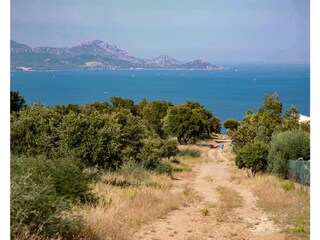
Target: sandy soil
column 191, row 222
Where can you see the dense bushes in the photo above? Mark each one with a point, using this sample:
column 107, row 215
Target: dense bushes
column 55, row 148
column 288, row 145
column 66, row 175
column 105, row 135
column 261, row 142
column 42, row 192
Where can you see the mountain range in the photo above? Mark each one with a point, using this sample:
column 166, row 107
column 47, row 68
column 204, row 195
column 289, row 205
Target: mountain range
column 94, row 54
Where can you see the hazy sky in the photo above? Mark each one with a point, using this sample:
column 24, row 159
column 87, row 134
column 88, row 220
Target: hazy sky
column 216, row 30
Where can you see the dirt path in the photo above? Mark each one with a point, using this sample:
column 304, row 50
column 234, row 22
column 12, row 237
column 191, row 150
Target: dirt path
column 206, row 218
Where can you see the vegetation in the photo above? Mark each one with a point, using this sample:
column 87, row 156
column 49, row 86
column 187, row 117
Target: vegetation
column 253, row 156
column 258, row 141
column 231, row 124
column 60, row 153
column 42, row 193
column 16, row 101
column 289, row 206
column 189, row 153
column 189, row 122
column 87, row 172
column 288, row 145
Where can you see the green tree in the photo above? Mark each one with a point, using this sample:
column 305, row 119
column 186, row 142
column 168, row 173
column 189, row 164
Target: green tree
column 35, row 131
column 118, row 103
column 290, row 120
column 183, row 123
column 253, row 156
column 231, row 124
column 154, row 112
column 16, row 101
column 288, row 145
column 259, row 126
column 94, row 138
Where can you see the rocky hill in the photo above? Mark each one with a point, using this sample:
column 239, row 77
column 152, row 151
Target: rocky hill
column 94, row 54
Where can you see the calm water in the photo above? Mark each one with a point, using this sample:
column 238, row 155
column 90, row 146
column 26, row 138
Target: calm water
column 228, row 93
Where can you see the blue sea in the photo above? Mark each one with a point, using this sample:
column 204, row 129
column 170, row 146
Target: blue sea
column 228, row 93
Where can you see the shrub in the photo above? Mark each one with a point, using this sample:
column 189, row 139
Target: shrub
column 35, row 208
column 34, row 131
column 253, row 156
column 288, row 186
column 66, row 177
column 94, row 139
column 288, row 145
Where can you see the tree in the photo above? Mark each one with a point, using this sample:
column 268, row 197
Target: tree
column 183, row 123
column 290, row 120
column 231, row 124
column 118, row 103
column 154, row 112
column 94, row 139
column 16, row 101
column 253, row 156
column 288, row 145
column 35, row 131
column 259, row 126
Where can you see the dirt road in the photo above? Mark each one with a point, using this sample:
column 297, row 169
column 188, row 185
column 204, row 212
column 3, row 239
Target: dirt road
column 207, row 216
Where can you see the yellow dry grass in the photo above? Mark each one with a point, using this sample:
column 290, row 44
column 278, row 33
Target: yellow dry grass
column 289, row 208
column 125, row 202
column 229, row 199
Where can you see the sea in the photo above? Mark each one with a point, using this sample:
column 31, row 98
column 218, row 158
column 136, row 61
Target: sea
column 228, row 93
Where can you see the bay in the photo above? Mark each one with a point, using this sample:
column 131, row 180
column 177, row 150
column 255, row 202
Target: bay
column 228, row 93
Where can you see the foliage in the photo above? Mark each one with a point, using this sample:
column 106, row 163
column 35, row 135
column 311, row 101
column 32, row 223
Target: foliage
column 287, row 186
column 35, row 206
column 290, row 119
column 189, row 122
column 16, row 101
column 34, row 131
column 259, row 126
column 154, row 112
column 169, row 148
column 66, row 176
column 253, row 156
column 94, row 139
column 119, row 103
column 231, row 124
column 257, row 129
column 288, row 145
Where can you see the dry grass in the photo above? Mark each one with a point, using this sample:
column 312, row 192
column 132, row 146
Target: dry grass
column 125, row 202
column 290, row 208
column 229, row 199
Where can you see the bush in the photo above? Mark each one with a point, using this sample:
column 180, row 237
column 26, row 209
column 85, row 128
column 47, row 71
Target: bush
column 288, row 145
column 67, row 179
column 36, row 209
column 94, row 139
column 35, row 131
column 253, row 156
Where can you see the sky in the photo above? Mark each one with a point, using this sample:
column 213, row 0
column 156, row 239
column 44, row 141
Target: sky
column 216, row 30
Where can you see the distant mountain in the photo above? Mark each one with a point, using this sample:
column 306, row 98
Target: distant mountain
column 94, row 54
